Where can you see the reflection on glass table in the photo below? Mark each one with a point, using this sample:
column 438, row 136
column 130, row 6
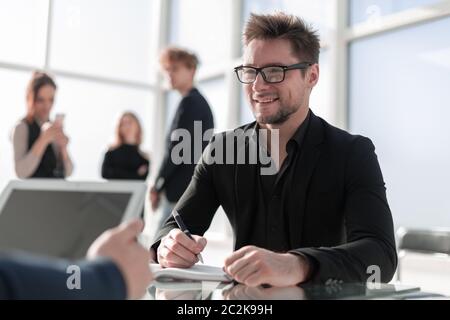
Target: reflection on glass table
column 186, row 290
column 242, row 292
column 206, row 290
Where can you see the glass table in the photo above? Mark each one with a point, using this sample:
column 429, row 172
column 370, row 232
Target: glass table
column 206, row 290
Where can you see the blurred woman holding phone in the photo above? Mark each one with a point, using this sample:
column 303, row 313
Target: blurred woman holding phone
column 40, row 146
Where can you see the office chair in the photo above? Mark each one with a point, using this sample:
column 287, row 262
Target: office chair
column 432, row 241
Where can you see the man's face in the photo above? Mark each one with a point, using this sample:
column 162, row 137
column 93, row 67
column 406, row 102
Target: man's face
column 179, row 75
column 274, row 103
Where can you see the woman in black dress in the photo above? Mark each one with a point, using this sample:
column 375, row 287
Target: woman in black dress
column 40, row 145
column 125, row 160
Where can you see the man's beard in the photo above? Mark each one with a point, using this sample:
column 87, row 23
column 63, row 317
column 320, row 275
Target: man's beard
column 279, row 117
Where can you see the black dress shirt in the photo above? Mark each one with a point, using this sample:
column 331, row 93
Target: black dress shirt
column 272, row 189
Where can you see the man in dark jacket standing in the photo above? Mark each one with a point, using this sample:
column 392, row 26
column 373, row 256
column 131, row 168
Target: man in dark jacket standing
column 193, row 112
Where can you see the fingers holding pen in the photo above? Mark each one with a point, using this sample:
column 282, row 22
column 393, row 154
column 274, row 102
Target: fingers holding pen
column 178, row 250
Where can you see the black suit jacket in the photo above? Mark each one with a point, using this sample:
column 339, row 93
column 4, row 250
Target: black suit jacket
column 338, row 212
column 24, row 276
column 174, row 178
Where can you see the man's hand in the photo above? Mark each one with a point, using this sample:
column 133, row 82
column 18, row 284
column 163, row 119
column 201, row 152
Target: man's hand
column 154, row 198
column 178, row 250
column 254, row 266
column 132, row 259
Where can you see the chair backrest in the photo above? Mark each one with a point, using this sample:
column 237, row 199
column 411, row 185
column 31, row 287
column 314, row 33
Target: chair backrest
column 425, row 241
column 424, row 259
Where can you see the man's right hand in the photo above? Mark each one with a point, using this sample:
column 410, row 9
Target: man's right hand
column 120, row 245
column 154, row 198
column 177, row 250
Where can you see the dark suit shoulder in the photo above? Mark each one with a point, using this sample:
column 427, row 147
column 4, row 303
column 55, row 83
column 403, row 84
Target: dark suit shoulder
column 194, row 99
column 237, row 133
column 111, row 150
column 197, row 107
column 114, row 151
column 341, row 139
column 245, row 129
column 110, row 153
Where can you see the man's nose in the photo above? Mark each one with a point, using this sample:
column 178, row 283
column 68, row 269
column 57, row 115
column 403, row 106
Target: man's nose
column 259, row 84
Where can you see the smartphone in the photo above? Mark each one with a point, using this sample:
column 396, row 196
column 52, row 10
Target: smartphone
column 59, row 118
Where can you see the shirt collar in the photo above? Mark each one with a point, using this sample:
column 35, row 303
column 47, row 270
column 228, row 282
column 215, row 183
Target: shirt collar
column 300, row 133
column 296, row 139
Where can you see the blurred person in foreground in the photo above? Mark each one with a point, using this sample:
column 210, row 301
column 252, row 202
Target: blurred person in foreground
column 117, row 267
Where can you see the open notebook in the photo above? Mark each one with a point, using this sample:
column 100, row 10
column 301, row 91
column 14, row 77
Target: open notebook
column 196, row 272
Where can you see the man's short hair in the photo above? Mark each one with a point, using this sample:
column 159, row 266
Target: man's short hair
column 174, row 54
column 304, row 40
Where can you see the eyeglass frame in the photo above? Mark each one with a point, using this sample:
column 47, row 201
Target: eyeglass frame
column 300, row 65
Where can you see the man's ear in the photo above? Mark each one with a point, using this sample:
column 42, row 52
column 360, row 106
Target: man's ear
column 313, row 75
column 193, row 71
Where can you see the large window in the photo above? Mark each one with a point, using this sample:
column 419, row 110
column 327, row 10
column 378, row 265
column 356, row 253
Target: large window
column 204, row 27
column 92, row 111
column 23, row 31
column 399, row 97
column 12, row 102
column 107, row 38
column 215, row 94
column 102, row 54
column 370, row 10
column 386, row 80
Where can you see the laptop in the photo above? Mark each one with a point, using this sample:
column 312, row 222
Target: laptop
column 62, row 218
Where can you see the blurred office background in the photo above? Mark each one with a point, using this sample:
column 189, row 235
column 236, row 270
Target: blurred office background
column 385, row 74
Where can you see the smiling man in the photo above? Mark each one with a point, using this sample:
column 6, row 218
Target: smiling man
column 323, row 216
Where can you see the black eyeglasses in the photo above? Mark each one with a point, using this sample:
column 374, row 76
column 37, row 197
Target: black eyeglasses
column 270, row 74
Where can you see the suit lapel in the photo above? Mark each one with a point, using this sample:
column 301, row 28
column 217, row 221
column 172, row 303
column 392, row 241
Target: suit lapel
column 301, row 177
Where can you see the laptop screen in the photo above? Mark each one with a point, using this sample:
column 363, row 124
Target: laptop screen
column 59, row 223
